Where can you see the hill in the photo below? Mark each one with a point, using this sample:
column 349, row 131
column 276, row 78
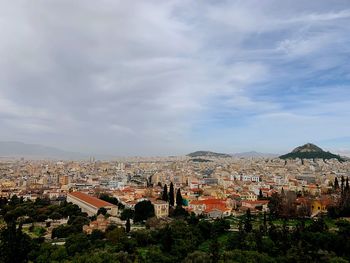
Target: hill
column 36, row 151
column 310, row 151
column 208, row 154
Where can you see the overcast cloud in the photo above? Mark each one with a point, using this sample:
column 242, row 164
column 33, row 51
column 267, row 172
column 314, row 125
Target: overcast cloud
column 168, row 77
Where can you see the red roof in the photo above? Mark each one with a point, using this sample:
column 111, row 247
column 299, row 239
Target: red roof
column 96, row 202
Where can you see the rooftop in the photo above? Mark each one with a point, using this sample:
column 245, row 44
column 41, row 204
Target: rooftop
column 96, row 202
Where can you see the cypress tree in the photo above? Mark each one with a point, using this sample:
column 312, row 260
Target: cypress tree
column 171, row 194
column 260, row 194
column 127, row 226
column 248, row 222
column 165, row 193
column 178, row 198
column 336, row 184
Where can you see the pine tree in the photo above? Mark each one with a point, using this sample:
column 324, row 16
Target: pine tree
column 127, row 226
column 165, row 193
column 171, row 194
column 178, row 198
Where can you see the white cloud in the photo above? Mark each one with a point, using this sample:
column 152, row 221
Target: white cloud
column 93, row 73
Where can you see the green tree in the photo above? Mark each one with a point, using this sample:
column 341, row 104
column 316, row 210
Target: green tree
column 102, row 211
column 336, row 184
column 55, row 216
column 261, row 196
column 109, row 199
column 275, row 205
column 171, row 194
column 165, row 193
column 248, row 222
column 143, row 210
column 96, row 235
column 116, row 235
column 179, row 200
column 214, row 250
column 14, row 244
column 197, row 257
column 127, row 213
column 77, row 243
column 127, row 225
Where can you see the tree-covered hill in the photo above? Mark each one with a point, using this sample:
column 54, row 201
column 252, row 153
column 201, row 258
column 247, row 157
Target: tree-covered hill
column 311, row 151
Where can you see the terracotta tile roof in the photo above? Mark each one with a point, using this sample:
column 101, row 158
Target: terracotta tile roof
column 222, row 208
column 90, row 199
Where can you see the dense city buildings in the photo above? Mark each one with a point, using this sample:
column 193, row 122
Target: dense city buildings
column 135, row 198
column 217, row 186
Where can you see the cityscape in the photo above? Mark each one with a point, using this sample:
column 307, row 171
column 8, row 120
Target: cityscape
column 174, row 131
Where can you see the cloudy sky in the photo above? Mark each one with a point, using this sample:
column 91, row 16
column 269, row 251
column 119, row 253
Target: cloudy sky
column 168, row 77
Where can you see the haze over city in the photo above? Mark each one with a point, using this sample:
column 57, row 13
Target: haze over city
column 171, row 77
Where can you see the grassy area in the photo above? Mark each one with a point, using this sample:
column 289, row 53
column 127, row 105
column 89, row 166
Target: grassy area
column 35, row 232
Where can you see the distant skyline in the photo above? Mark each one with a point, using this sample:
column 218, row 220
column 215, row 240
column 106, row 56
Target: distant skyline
column 130, row 78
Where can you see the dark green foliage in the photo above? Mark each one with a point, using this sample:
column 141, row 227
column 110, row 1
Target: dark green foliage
column 143, row 211
column 261, row 195
column 214, row 250
column 246, row 256
column 77, row 243
column 248, row 222
column 275, row 205
column 102, row 211
column 336, row 184
column 165, row 193
column 179, row 201
column 312, row 155
column 194, row 239
column 197, row 257
column 171, row 194
column 342, row 209
column 127, row 213
column 127, row 226
column 109, row 199
column 178, row 212
column 96, row 235
column 14, row 244
column 75, row 225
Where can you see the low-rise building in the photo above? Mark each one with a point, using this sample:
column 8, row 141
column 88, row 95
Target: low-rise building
column 161, row 208
column 90, row 204
column 101, row 223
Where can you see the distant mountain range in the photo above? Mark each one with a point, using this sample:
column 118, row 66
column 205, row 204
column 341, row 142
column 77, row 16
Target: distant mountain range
column 311, row 151
column 36, row 151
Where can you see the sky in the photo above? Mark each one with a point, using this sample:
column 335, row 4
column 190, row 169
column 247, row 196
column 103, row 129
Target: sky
column 169, row 77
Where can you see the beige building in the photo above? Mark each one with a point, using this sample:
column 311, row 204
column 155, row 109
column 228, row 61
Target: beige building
column 90, row 204
column 161, row 208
